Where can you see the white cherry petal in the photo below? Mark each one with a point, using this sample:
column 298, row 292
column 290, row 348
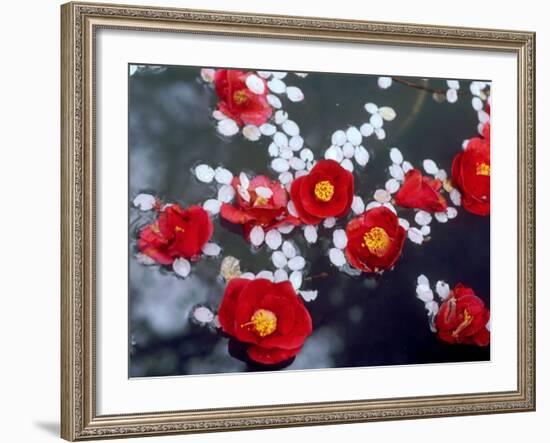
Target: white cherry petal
column 382, row 196
column 297, row 163
column 296, row 143
column 279, row 74
column 273, row 239
column 244, row 180
column 424, row 293
column 280, row 139
column 308, row 295
column 423, row 218
column 380, row 133
column 329, row 222
column 376, row 121
column 397, row 172
column 263, row 191
column 441, row 175
column 354, row 136
column 338, row 138
column 207, row 74
column 211, row 249
column 451, row 212
column 361, row 156
column 453, row 84
column 366, row 129
column 273, row 150
column 422, row 280
column 252, row 133
column 442, row 289
column 452, row 95
column 396, row 156
column 347, row 165
column 387, row 113
column 145, row 202
column 292, row 209
column 280, row 275
column 339, row 238
column 291, row 128
column 477, row 103
column 276, row 85
column 268, row 275
column 279, row 259
column 268, row 129
column 425, row 230
column 247, row 275
column 280, row 164
column 143, row 259
column 406, row 166
column 430, row 166
column 212, row 205
column 371, row 108
column 483, row 116
column 415, row 235
column 296, row 263
column 357, row 205
column 288, row 249
column 226, row 193
column 404, row 223
column 228, row 127
column 264, row 74
column 296, row 279
column 337, row 257
column 255, row 84
column 203, row 315
column 334, row 153
column 348, row 150
column 204, row 173
column 285, row 228
column 218, row 115
column 441, row 217
column 280, row 117
column 306, row 154
column 286, row 153
column 223, row 176
column 294, row 94
column 285, row 177
column 257, row 235
column 384, row 82
column 274, row 101
column 181, row 267
column 392, row 185
column 310, row 233
column 245, row 195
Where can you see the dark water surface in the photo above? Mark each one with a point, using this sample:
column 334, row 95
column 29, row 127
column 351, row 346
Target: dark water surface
column 357, row 321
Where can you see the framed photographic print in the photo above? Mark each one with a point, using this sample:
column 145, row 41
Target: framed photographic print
column 254, row 207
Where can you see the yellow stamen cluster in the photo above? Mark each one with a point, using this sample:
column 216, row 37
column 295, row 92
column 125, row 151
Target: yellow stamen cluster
column 377, row 241
column 179, row 229
column 324, row 190
column 483, row 169
column 468, row 318
column 263, row 322
column 239, row 97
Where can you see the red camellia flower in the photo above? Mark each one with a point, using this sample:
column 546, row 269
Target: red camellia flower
column 421, row 192
column 176, row 233
column 375, row 240
column 263, row 203
column 471, row 173
column 327, row 191
column 268, row 316
column 462, row 318
column 237, row 101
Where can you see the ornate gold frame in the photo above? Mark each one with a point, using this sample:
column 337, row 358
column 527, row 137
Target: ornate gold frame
column 80, row 21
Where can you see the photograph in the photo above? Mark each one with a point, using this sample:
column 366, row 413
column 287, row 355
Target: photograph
column 282, row 220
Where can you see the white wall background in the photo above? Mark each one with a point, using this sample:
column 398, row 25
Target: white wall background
column 29, row 224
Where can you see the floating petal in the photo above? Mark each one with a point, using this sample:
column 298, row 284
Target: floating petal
column 294, row 94
column 181, row 267
column 145, row 202
column 339, row 238
column 255, row 84
column 204, row 173
column 257, row 235
column 211, row 249
column 273, row 239
column 337, row 257
column 310, row 233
